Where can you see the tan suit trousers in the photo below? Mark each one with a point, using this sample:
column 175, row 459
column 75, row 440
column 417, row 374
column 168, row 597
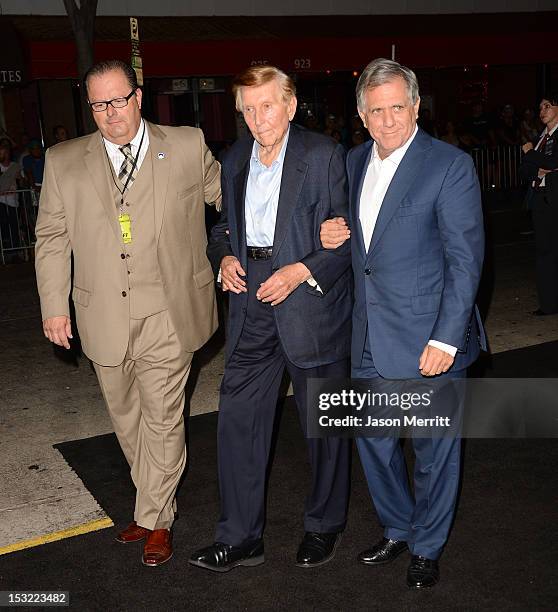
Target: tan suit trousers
column 145, row 400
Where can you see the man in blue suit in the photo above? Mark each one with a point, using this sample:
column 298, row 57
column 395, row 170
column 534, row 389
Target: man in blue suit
column 289, row 307
column 417, row 253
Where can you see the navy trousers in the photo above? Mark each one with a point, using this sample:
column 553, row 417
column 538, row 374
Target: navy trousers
column 423, row 521
column 247, row 407
column 545, row 224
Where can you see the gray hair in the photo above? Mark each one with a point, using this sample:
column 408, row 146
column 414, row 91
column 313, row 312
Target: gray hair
column 381, row 71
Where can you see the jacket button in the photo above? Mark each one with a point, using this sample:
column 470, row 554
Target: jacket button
column 367, row 271
column 122, row 256
column 124, row 294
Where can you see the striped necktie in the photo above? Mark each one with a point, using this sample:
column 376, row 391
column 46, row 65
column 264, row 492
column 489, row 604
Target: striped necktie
column 542, row 144
column 125, row 174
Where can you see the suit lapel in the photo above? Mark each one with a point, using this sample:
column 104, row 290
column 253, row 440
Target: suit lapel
column 360, row 165
column 161, row 159
column 292, row 180
column 239, row 185
column 401, row 182
column 97, row 164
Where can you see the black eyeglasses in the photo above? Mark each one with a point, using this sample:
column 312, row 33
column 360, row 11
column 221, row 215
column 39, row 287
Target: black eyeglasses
column 99, row 107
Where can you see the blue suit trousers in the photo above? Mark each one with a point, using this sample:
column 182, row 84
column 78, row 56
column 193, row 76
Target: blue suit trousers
column 423, row 520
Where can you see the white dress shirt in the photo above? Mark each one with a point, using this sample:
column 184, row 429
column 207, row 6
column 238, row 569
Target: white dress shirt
column 262, row 196
column 117, row 157
column 376, row 182
column 379, row 175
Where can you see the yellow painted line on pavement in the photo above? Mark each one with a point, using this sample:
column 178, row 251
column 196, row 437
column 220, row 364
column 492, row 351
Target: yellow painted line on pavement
column 96, row 525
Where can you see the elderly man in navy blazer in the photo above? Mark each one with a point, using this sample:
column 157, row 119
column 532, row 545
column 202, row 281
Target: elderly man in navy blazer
column 417, row 252
column 289, row 307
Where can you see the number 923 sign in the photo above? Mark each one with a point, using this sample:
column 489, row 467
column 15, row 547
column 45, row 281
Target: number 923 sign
column 302, row 63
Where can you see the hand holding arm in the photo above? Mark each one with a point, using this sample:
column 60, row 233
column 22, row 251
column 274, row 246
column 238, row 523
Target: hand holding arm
column 334, row 232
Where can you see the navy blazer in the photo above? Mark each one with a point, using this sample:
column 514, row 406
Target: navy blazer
column 313, row 327
column 419, row 279
column 529, row 170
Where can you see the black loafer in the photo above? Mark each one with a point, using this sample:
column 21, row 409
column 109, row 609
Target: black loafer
column 317, row 548
column 423, row 573
column 220, row 557
column 383, row 552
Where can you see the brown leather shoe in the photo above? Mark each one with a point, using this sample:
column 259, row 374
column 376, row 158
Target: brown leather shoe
column 132, row 533
column 158, row 548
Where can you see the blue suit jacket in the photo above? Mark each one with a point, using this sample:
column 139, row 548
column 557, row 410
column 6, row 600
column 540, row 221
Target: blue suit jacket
column 419, row 279
column 314, row 328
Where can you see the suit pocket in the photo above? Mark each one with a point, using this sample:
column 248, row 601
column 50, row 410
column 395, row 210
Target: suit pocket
column 313, row 290
column 203, row 277
column 410, row 207
column 426, row 304
column 81, row 296
column 188, row 191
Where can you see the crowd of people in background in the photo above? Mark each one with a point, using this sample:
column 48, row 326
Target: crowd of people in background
column 480, row 128
column 21, row 168
column 22, row 163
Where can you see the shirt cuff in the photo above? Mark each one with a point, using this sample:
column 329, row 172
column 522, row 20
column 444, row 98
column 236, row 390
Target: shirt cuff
column 312, row 282
column 447, row 348
column 219, row 276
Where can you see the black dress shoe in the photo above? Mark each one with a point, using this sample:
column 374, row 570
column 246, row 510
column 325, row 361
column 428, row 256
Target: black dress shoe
column 422, row 573
column 220, row 557
column 317, row 548
column 384, row 552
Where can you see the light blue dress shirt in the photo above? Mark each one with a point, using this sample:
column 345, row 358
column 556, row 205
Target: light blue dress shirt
column 262, row 197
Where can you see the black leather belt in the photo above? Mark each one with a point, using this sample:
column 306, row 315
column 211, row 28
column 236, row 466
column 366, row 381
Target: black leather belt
column 259, row 252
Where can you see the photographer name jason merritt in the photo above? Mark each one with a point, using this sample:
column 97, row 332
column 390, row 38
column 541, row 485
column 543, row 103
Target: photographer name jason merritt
column 406, row 421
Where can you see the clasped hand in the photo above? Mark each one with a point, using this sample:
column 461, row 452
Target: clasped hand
column 334, row 232
column 275, row 289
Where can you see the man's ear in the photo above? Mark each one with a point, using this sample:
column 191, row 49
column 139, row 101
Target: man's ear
column 362, row 117
column 292, row 107
column 416, row 107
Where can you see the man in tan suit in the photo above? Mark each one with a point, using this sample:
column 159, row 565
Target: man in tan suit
column 128, row 201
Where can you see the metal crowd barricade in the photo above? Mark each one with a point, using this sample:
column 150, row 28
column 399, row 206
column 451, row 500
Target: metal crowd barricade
column 498, row 167
column 17, row 224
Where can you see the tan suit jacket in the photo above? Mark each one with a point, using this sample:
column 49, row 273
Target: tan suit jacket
column 77, row 213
